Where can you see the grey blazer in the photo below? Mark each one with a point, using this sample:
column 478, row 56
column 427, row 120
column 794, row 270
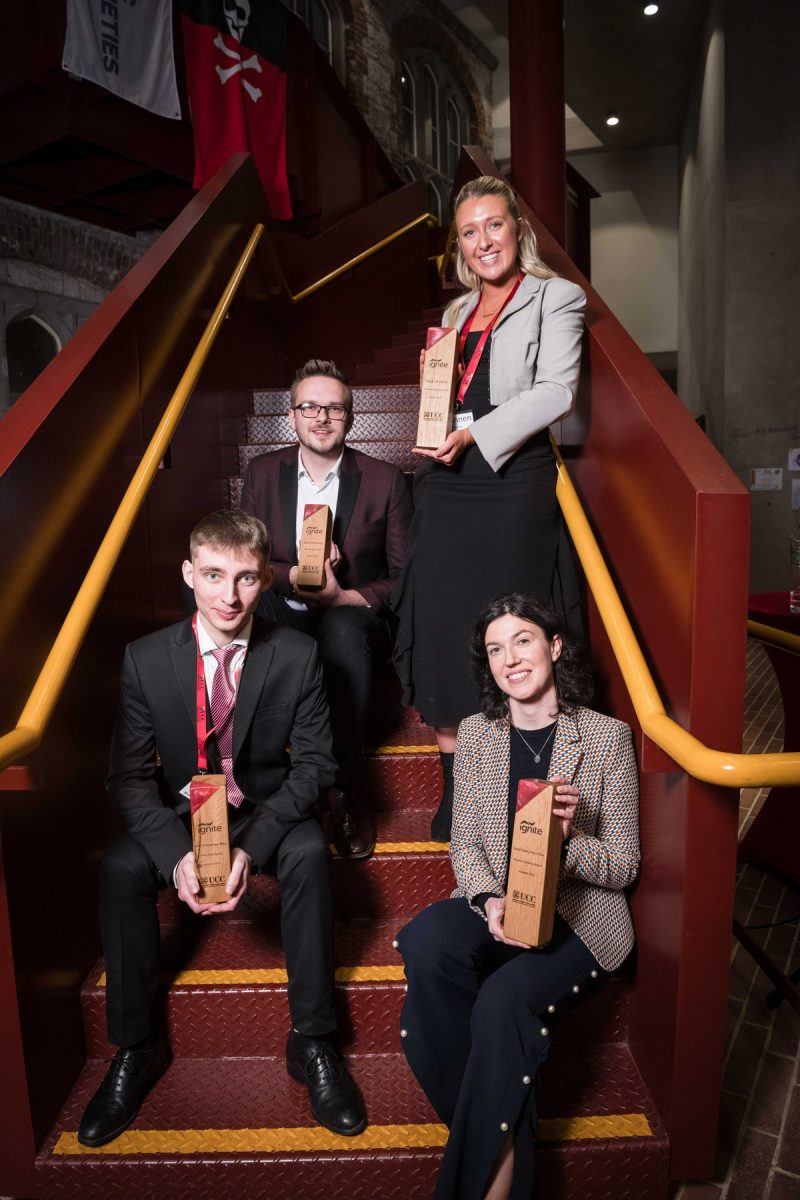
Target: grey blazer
column 535, row 364
column 595, row 753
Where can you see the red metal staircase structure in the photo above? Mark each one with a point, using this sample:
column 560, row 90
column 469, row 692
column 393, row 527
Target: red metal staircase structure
column 227, row 1119
column 630, row 1096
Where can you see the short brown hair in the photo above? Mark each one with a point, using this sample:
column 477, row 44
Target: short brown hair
column 329, row 370
column 231, row 529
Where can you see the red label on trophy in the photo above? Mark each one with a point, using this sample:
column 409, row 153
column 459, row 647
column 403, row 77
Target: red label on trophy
column 535, row 865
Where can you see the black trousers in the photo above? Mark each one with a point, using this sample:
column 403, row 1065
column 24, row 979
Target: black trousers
column 477, row 1028
column 129, row 922
column 350, row 638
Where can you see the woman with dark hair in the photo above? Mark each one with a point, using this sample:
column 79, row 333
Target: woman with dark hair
column 486, row 517
column 477, row 1020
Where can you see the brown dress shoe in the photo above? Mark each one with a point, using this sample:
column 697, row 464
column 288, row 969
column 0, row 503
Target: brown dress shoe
column 352, row 828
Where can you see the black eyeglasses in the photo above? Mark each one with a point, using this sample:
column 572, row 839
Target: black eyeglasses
column 336, row 412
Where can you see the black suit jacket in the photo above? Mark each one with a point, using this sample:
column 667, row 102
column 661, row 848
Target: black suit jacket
column 279, row 701
column 373, row 514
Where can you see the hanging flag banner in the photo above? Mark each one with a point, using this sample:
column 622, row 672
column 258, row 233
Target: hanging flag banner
column 126, row 47
column 236, row 75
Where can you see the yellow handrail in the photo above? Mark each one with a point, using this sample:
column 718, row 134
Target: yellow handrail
column 44, row 696
column 699, row 761
column 295, row 297
column 776, row 637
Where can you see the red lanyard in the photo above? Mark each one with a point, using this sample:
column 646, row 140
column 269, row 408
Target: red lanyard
column 466, row 378
column 203, row 732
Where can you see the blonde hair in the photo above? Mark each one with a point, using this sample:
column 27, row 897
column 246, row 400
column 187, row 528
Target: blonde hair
column 527, row 252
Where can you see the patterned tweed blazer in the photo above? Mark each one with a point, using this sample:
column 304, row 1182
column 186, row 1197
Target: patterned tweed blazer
column 591, row 751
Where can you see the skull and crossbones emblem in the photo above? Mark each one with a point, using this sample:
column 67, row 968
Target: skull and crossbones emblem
column 237, row 14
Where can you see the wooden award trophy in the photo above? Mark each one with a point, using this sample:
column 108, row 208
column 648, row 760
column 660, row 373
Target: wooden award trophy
column 208, row 801
column 534, row 867
column 315, row 546
column 439, row 378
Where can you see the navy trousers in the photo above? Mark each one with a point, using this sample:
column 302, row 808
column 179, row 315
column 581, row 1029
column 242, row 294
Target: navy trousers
column 476, row 1028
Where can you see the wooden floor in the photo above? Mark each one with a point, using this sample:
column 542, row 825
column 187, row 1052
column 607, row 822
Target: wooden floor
column 759, row 1141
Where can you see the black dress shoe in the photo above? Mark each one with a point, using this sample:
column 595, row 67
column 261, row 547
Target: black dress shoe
column 336, row 1102
column 118, row 1099
column 443, row 817
column 352, row 828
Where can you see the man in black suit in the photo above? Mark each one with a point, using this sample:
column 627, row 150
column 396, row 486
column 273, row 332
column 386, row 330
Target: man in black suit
column 349, row 617
column 267, row 680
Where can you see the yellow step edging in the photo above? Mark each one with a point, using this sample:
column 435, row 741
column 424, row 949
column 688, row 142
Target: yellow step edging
column 398, row 751
column 242, row 976
column 314, row 1139
column 406, row 848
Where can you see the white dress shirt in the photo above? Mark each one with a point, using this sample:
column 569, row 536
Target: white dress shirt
column 207, row 644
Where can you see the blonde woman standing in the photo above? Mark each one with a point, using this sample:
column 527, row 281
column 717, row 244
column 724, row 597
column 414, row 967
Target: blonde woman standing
column 486, row 517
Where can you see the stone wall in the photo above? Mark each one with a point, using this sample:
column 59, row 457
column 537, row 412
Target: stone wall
column 379, row 34
column 57, row 269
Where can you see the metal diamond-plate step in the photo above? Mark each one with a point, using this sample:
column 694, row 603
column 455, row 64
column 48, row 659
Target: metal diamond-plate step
column 230, row 1127
column 388, row 885
column 224, row 992
column 366, row 399
column 392, row 781
column 367, row 426
column 407, row 354
column 383, row 373
column 411, row 338
column 224, row 989
column 394, row 452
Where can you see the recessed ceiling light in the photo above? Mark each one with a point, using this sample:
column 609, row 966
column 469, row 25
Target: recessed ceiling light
column 612, row 119
column 650, row 10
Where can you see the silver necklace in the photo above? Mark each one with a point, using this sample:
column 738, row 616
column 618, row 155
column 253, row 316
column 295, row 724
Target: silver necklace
column 536, row 757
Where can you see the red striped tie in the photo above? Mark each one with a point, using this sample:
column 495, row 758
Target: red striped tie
column 223, row 703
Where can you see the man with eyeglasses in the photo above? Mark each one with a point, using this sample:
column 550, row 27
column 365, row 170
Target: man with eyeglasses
column 349, row 617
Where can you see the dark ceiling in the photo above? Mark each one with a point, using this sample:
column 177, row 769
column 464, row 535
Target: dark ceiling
column 70, row 147
column 617, row 59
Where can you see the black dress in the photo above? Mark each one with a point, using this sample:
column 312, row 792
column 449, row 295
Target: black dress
column 475, row 534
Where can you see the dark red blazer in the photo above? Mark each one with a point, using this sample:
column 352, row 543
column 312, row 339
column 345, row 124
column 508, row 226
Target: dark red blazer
column 373, row 514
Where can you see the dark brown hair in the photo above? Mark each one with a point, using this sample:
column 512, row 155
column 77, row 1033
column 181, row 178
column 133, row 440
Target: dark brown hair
column 573, row 677
column 329, row 370
column 231, row 529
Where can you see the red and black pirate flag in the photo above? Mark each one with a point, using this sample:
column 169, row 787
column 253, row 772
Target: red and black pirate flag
column 236, row 73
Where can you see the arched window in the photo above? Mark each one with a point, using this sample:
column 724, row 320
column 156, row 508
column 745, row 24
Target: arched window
column 30, row 345
column 431, row 117
column 434, row 125
column 326, row 26
column 409, row 109
column 321, row 26
column 454, row 136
